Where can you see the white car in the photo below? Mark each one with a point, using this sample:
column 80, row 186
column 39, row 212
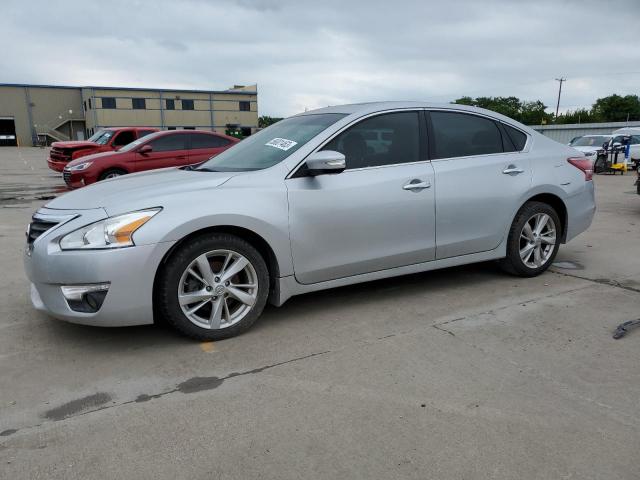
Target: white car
column 634, row 133
column 591, row 145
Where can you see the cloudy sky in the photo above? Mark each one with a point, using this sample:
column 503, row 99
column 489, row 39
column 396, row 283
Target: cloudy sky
column 307, row 54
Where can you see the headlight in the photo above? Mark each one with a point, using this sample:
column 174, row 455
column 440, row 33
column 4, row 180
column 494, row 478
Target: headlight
column 80, row 166
column 114, row 232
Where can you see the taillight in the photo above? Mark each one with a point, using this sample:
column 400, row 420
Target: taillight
column 583, row 164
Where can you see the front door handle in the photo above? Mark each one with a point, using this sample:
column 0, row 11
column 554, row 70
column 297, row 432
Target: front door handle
column 417, row 184
column 512, row 170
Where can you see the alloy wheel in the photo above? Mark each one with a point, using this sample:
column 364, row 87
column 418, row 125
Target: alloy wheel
column 218, row 289
column 537, row 240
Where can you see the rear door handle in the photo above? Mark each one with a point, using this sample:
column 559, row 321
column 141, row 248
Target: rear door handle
column 512, row 170
column 417, row 184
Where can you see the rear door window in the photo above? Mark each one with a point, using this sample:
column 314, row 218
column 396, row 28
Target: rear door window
column 203, row 140
column 462, row 135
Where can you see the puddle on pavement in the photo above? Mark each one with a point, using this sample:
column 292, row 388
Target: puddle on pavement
column 567, row 265
column 12, row 194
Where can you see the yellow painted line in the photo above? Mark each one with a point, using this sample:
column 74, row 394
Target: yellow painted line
column 208, row 347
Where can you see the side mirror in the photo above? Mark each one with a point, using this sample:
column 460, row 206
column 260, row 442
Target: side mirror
column 605, row 145
column 325, row 161
column 145, row 149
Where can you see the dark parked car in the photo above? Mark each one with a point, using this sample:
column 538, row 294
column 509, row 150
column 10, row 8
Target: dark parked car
column 157, row 150
column 106, row 140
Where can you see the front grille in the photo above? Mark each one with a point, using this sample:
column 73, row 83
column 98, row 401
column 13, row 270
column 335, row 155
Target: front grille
column 37, row 228
column 60, row 154
column 66, row 175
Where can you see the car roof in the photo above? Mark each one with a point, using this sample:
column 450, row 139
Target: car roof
column 162, row 133
column 129, row 128
column 627, row 131
column 373, row 107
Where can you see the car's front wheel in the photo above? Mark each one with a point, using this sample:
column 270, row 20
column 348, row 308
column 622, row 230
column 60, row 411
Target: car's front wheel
column 213, row 287
column 534, row 239
column 111, row 173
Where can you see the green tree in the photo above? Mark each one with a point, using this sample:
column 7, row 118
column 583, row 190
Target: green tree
column 529, row 113
column 466, row 101
column 581, row 115
column 533, row 113
column 616, row 108
column 264, row 121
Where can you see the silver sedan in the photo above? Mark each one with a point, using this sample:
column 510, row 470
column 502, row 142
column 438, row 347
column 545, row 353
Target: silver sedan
column 323, row 199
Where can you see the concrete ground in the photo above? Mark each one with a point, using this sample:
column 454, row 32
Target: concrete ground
column 464, row 373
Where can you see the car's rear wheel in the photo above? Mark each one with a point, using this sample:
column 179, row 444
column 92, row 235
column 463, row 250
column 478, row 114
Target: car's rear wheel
column 111, row 173
column 213, row 287
column 534, row 239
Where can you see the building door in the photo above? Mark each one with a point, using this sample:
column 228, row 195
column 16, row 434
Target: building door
column 8, row 136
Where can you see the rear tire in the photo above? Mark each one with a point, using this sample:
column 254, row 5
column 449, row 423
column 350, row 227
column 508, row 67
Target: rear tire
column 215, row 302
column 529, row 251
column 111, row 173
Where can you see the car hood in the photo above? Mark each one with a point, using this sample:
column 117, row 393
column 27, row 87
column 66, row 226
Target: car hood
column 75, row 144
column 92, row 158
column 588, row 149
column 139, row 190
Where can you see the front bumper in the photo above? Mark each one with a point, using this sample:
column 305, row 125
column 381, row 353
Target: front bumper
column 57, row 166
column 78, row 179
column 130, row 272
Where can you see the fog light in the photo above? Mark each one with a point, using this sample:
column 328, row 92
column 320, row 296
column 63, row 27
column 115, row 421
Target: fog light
column 85, row 298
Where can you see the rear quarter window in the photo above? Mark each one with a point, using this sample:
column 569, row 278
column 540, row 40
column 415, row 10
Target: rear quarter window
column 518, row 138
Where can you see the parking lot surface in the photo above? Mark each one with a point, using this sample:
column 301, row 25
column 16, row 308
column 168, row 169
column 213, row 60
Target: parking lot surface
column 464, row 373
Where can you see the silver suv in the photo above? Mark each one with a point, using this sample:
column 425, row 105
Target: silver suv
column 307, row 204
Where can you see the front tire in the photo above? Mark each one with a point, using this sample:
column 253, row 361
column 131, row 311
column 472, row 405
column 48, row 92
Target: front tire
column 533, row 242
column 111, row 173
column 213, row 287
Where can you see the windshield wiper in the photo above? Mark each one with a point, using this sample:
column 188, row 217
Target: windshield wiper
column 204, row 169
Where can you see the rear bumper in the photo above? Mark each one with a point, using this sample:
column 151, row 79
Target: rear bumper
column 581, row 209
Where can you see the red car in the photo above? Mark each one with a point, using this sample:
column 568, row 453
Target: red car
column 105, row 140
column 172, row 148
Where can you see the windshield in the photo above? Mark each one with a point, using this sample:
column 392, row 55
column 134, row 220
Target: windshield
column 595, row 141
column 101, row 137
column 271, row 145
column 136, row 143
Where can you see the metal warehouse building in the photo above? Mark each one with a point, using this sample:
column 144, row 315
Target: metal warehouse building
column 33, row 113
column 564, row 133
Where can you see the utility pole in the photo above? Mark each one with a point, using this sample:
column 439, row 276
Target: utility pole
column 561, row 79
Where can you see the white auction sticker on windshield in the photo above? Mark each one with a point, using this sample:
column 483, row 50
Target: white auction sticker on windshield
column 281, row 143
